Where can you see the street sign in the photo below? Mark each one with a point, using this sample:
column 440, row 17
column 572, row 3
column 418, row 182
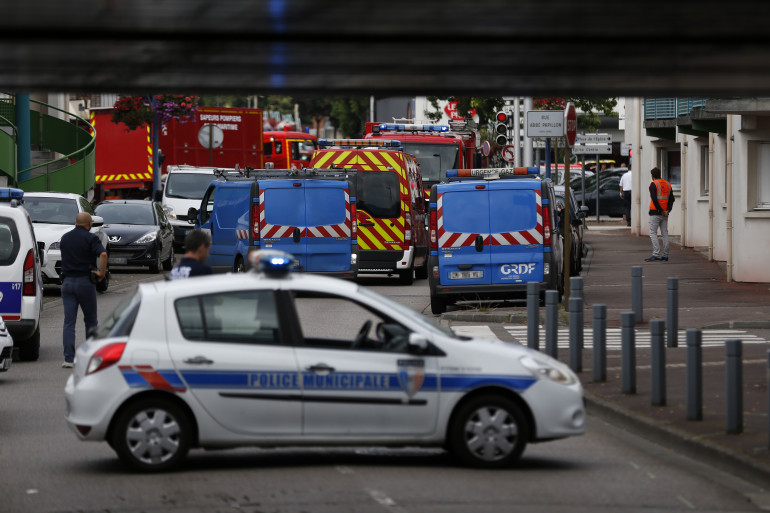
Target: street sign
column 593, row 139
column 545, row 123
column 485, row 148
column 592, row 149
column 625, row 149
column 509, row 153
column 570, row 120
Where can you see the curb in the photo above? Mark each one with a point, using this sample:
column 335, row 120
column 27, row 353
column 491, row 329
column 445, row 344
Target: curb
column 694, row 447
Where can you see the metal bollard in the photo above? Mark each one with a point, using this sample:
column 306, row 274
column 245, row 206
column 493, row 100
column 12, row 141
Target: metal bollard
column 576, row 287
column 734, row 382
column 552, row 323
column 600, row 343
column 694, row 391
column 658, row 361
column 672, row 312
column 576, row 334
column 533, row 315
column 636, row 293
column 628, row 353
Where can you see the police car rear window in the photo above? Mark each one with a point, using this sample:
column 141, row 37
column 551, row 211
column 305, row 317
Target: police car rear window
column 379, row 194
column 9, row 241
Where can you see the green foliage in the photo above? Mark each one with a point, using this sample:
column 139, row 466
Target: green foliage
column 486, row 107
column 349, row 115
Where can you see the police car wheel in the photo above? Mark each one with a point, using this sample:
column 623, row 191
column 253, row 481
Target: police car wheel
column 29, row 350
column 152, row 435
column 489, row 431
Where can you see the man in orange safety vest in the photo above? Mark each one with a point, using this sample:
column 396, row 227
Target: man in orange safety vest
column 661, row 202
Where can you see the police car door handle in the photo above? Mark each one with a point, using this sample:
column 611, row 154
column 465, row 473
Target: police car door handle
column 479, row 243
column 296, row 234
column 320, row 367
column 199, row 360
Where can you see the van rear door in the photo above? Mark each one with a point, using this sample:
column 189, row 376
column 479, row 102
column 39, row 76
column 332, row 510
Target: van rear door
column 381, row 222
column 328, row 226
column 463, row 224
column 282, row 217
column 516, row 231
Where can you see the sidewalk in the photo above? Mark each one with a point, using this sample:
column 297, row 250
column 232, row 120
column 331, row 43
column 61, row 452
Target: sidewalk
column 706, row 302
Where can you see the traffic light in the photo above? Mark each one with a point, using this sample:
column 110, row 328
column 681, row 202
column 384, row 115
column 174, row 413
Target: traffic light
column 501, row 128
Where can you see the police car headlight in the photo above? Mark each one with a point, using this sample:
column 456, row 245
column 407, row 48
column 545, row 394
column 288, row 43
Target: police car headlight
column 148, row 237
column 542, row 368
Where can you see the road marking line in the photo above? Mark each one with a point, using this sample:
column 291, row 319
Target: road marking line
column 686, row 502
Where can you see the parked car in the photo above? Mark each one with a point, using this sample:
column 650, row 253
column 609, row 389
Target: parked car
column 279, row 358
column 610, row 202
column 21, row 287
column 576, row 224
column 139, row 233
column 53, row 214
column 576, row 179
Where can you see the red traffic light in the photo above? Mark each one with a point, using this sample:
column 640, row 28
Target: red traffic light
column 502, row 117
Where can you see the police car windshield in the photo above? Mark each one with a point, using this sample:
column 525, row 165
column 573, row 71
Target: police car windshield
column 51, row 210
column 404, row 310
column 187, row 185
column 434, row 159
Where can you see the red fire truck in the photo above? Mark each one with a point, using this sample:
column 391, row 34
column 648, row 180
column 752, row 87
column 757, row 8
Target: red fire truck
column 219, row 136
column 437, row 147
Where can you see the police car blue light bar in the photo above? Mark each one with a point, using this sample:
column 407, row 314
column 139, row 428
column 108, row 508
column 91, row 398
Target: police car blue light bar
column 387, row 143
column 11, row 193
column 401, row 127
column 493, row 171
column 272, row 262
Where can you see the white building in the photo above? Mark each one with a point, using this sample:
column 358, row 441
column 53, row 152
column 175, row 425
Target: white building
column 716, row 154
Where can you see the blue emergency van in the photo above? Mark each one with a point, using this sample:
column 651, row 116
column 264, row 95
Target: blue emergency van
column 309, row 213
column 492, row 231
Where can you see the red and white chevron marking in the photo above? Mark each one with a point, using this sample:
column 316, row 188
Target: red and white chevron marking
column 272, row 231
column 447, row 239
column 242, row 234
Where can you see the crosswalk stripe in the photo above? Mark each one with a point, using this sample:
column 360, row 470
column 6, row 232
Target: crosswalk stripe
column 642, row 338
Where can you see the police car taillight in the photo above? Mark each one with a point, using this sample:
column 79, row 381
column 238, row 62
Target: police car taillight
column 272, row 262
column 29, row 274
column 105, row 357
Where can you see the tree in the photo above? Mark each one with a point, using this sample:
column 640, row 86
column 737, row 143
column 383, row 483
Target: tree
column 485, row 107
column 349, row 115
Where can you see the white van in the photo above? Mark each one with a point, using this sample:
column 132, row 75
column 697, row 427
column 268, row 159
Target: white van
column 184, row 188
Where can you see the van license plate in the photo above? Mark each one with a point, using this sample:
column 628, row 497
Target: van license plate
column 116, row 260
column 466, row 275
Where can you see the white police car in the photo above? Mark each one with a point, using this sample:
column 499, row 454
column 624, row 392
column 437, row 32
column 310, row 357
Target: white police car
column 277, row 358
column 6, row 347
column 21, row 286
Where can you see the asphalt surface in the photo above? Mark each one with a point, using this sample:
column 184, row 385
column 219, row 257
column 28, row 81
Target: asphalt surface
column 707, row 302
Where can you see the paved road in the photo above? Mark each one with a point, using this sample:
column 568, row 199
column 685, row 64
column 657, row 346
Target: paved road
column 45, row 469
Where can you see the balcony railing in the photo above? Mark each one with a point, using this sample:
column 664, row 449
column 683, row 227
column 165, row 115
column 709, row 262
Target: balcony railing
column 670, row 108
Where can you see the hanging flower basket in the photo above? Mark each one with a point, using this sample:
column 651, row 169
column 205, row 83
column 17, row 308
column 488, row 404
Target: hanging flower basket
column 136, row 111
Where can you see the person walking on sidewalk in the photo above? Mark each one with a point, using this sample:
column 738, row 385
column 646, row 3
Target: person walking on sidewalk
column 661, row 202
column 625, row 193
column 197, row 245
column 79, row 250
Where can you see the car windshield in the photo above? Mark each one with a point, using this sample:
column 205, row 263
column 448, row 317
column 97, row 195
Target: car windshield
column 434, row 159
column 51, row 210
column 187, row 185
column 407, row 312
column 126, row 213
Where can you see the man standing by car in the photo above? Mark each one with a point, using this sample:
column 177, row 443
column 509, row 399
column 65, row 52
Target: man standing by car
column 625, row 193
column 661, row 202
column 79, row 250
column 197, row 245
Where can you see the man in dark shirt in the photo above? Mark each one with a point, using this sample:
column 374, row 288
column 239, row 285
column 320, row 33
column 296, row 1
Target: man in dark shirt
column 79, row 250
column 197, row 245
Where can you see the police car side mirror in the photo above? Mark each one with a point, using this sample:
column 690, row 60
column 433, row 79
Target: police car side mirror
column 192, row 215
column 417, row 343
